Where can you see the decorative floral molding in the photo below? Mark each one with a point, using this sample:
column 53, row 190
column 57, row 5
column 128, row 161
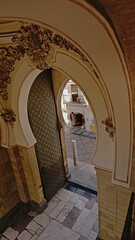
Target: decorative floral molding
column 8, row 116
column 109, row 127
column 36, row 42
column 8, row 56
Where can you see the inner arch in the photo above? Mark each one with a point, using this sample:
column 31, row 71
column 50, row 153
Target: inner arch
column 80, row 135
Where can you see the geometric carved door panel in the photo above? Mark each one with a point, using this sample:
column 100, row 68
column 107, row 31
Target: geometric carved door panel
column 43, row 120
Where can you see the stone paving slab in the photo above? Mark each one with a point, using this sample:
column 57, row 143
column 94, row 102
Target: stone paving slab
column 42, row 219
column 3, row 238
column 69, row 215
column 24, row 235
column 10, row 233
column 57, row 231
column 32, row 227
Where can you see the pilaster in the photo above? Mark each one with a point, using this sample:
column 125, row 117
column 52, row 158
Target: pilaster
column 113, row 203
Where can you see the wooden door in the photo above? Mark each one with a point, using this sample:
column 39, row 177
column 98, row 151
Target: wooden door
column 43, row 121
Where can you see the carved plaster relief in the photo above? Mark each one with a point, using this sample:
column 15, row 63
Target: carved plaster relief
column 36, row 42
column 8, row 116
column 110, row 129
column 8, row 56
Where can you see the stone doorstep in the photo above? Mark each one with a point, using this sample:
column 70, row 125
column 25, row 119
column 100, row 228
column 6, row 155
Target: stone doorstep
column 10, row 233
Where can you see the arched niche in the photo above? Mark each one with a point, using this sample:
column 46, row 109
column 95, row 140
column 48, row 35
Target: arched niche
column 19, row 97
column 79, row 74
column 77, row 71
column 92, row 34
column 55, row 74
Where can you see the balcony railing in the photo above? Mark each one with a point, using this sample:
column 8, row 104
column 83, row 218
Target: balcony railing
column 73, row 98
column 67, row 98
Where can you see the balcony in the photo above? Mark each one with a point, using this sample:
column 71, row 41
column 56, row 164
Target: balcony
column 67, row 98
column 73, row 98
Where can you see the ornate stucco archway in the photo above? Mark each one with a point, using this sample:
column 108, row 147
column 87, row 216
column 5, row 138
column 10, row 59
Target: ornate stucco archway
column 68, row 57
column 87, row 52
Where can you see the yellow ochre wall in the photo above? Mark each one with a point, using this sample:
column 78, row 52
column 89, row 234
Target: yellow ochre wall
column 9, row 195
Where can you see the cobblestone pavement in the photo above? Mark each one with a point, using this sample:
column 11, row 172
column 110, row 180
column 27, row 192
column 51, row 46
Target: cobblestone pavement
column 84, row 171
column 85, row 144
column 72, row 214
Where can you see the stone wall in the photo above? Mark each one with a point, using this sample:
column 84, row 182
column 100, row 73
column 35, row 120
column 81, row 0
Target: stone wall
column 25, row 166
column 9, row 195
column 113, row 202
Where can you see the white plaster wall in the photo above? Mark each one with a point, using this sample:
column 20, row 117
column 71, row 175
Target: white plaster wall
column 88, row 118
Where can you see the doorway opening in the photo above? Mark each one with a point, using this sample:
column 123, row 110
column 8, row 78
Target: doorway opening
column 80, row 135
